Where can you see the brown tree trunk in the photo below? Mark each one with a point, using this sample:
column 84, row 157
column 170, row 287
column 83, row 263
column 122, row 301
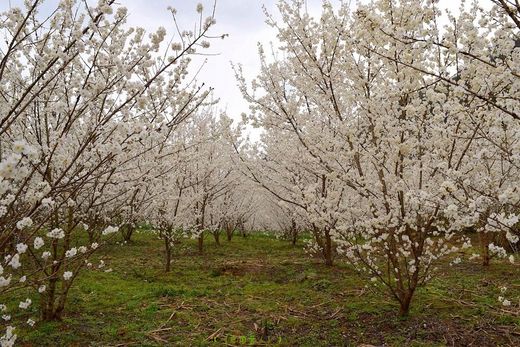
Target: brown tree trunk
column 294, row 233
column 216, row 235
column 52, row 305
column 485, row 240
column 200, row 243
column 127, row 232
column 404, row 308
column 47, row 302
column 49, row 297
column 327, row 250
column 229, row 232
column 168, row 253
column 61, row 303
column 406, row 296
column 324, row 243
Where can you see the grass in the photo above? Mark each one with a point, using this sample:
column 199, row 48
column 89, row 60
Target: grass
column 262, row 291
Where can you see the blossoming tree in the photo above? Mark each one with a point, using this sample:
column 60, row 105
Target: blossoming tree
column 83, row 97
column 407, row 154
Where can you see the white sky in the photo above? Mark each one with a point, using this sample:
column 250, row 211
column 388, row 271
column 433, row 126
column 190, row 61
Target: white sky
column 243, row 20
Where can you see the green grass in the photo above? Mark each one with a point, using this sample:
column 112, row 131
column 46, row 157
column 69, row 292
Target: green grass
column 261, row 291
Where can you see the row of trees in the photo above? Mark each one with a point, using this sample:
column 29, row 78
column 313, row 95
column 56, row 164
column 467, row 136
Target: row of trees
column 390, row 136
column 102, row 127
column 385, row 135
column 201, row 193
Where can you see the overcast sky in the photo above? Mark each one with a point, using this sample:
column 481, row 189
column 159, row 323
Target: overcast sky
column 242, row 20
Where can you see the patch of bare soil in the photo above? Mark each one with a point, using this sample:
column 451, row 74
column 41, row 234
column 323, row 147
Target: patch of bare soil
column 448, row 332
column 241, row 268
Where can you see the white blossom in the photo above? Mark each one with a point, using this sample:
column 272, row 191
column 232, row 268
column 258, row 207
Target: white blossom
column 38, row 243
column 56, row 233
column 26, row 222
column 21, row 248
column 67, row 275
column 25, row 304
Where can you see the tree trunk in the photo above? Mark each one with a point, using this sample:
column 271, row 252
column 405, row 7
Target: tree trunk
column 127, row 232
column 48, row 299
column 406, row 296
column 61, row 303
column 327, row 250
column 229, row 233
column 216, row 235
column 53, row 305
column 53, row 311
column 168, row 251
column 294, row 232
column 200, row 243
column 47, row 302
column 485, row 240
column 404, row 308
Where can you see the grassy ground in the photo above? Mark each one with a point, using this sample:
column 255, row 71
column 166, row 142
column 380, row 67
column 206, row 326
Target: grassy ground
column 261, row 291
